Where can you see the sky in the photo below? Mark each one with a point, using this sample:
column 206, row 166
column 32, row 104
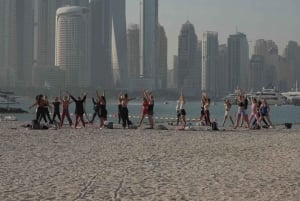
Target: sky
column 277, row 20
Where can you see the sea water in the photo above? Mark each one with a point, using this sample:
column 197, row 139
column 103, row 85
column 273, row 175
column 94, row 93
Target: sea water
column 166, row 112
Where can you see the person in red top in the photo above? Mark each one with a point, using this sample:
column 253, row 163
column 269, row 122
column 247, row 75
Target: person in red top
column 145, row 106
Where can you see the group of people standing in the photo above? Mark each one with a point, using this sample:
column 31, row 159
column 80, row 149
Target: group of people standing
column 43, row 106
column 99, row 106
column 259, row 112
column 181, row 112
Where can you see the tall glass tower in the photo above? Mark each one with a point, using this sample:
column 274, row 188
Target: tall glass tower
column 71, row 45
column 238, row 61
column 16, row 39
column 210, row 49
column 109, row 43
column 150, row 40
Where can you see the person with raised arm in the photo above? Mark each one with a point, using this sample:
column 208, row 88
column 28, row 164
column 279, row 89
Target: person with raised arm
column 150, row 109
column 56, row 110
column 242, row 110
column 46, row 107
column 265, row 113
column 206, row 104
column 227, row 115
column 145, row 106
column 124, row 110
column 96, row 107
column 182, row 102
column 120, row 108
column 79, row 109
column 65, row 101
column 39, row 103
column 254, row 112
column 103, row 110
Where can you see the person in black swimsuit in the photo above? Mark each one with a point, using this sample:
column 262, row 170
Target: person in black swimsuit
column 103, row 111
column 79, row 108
column 56, row 111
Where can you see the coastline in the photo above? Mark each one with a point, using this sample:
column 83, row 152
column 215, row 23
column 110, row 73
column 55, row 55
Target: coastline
column 144, row 164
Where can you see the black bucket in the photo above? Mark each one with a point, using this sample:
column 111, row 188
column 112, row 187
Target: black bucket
column 288, row 125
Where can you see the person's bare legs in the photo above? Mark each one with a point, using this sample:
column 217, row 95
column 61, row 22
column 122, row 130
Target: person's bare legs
column 245, row 117
column 225, row 118
column 142, row 119
column 230, row 117
column 237, row 121
column 269, row 120
column 183, row 122
column 150, row 117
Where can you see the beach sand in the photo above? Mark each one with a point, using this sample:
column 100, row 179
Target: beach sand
column 143, row 164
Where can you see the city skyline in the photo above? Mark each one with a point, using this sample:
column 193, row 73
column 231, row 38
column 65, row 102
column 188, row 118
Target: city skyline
column 200, row 58
column 268, row 19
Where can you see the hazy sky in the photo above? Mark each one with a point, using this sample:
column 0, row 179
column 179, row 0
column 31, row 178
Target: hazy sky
column 277, row 20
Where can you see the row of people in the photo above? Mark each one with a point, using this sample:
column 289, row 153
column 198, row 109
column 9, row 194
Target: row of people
column 259, row 112
column 181, row 112
column 99, row 106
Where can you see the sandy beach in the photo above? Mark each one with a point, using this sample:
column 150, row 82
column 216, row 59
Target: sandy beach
column 143, row 164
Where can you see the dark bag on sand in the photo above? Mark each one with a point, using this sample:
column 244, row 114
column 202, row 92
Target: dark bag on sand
column 35, row 124
column 214, row 126
column 108, row 124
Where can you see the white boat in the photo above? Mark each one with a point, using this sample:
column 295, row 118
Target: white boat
column 292, row 97
column 8, row 97
column 8, row 118
column 272, row 96
column 232, row 97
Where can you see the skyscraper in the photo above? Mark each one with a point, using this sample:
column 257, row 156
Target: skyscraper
column 238, row 61
column 133, row 41
column 101, row 27
column 257, row 64
column 269, row 51
column 222, row 72
column 118, row 9
column 108, row 28
column 72, row 45
column 44, row 32
column 8, row 48
column 16, row 39
column 292, row 55
column 187, row 49
column 210, row 50
column 150, row 38
column 162, row 58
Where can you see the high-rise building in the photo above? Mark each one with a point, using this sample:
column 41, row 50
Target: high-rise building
column 238, row 61
column 269, row 51
column 119, row 42
column 72, row 45
column 133, row 41
column 187, row 49
column 162, row 59
column 174, row 74
column 222, row 72
column 8, row 46
column 292, row 55
column 210, row 50
column 257, row 64
column 16, row 39
column 285, row 83
column 44, row 40
column 150, row 41
column 109, row 43
column 101, row 27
